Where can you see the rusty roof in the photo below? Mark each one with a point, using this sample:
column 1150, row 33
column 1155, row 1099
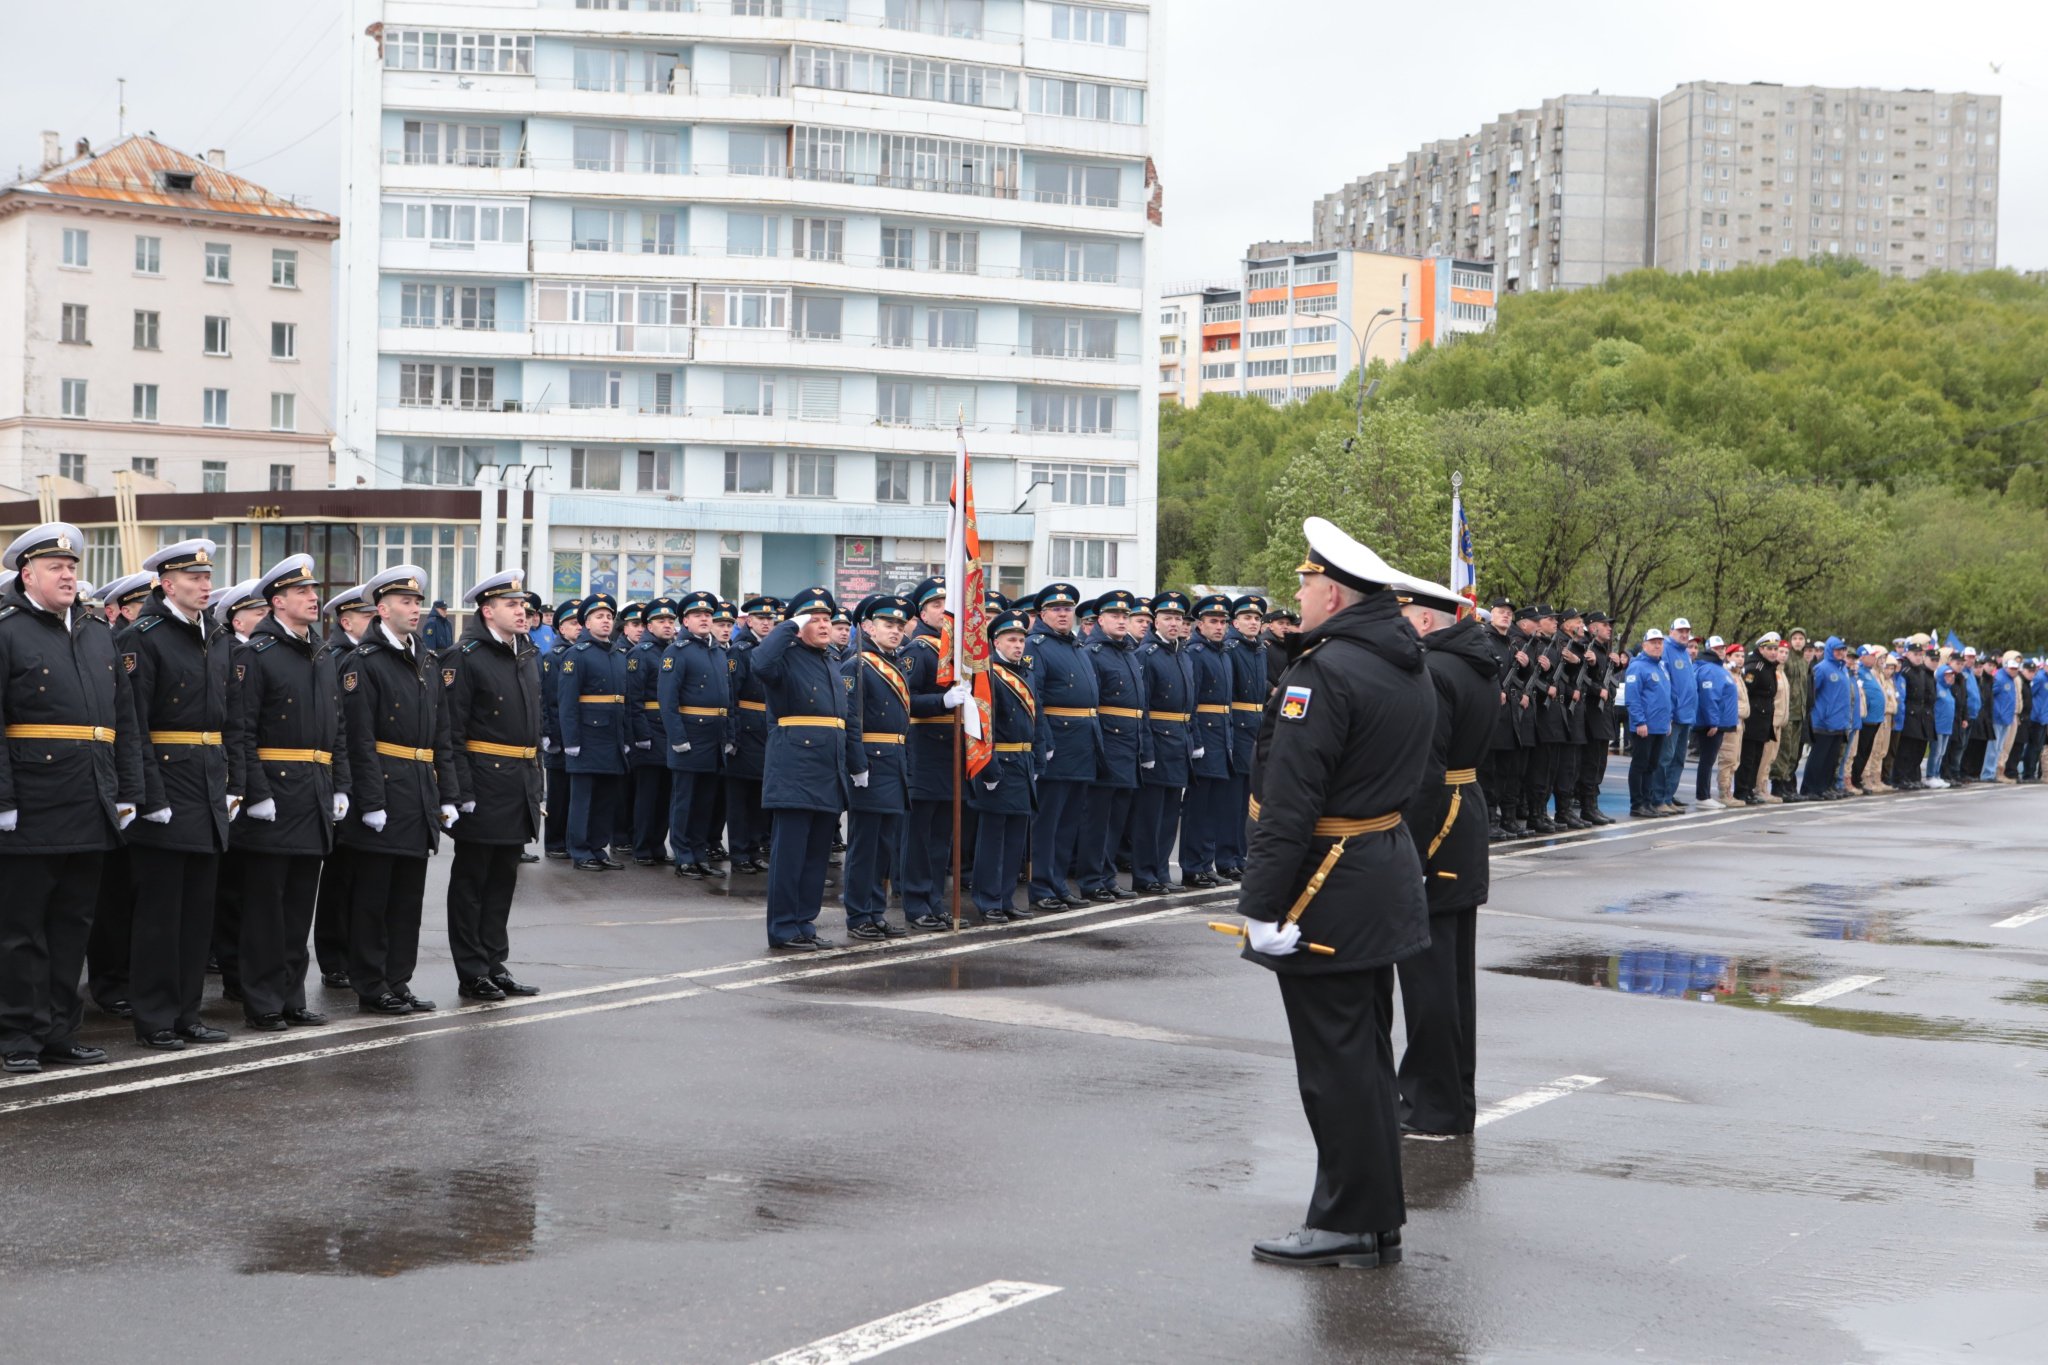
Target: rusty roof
column 132, row 172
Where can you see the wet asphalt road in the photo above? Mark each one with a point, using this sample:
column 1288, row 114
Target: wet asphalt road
column 733, row 1158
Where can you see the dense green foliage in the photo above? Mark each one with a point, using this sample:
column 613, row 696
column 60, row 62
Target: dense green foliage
column 1807, row 442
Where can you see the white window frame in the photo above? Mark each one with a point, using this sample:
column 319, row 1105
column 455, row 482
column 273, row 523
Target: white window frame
column 149, row 255
column 217, row 338
column 213, row 408
column 77, row 249
column 144, row 405
column 286, row 333
column 219, row 262
column 284, row 412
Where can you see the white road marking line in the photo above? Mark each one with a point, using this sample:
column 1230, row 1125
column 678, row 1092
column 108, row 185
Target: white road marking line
column 340, row 1050
column 1529, row 1099
column 915, row 1324
column 1665, row 826
column 1009, row 1009
column 2024, row 917
column 1832, row 989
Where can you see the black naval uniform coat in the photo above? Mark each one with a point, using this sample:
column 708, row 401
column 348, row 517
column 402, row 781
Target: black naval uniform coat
column 178, row 691
column 394, row 700
column 1462, row 669
column 493, row 702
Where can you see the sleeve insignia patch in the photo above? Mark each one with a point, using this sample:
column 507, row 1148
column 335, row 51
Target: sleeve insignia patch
column 668, row 664
column 241, row 672
column 848, row 680
column 568, row 665
column 1294, row 706
column 447, row 677
column 128, row 662
column 632, row 664
column 348, row 681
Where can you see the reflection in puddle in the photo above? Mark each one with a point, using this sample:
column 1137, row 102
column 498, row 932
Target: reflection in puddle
column 412, row 1220
column 1671, row 973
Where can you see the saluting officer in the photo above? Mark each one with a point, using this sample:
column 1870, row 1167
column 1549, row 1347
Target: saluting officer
column 353, row 618
column 287, row 724
column 555, row 764
column 1005, row 793
column 590, row 698
column 1121, row 703
column 1170, row 702
column 113, row 920
column 1447, row 822
column 70, row 777
column 694, row 689
column 648, row 763
column 805, row 765
column 492, row 691
column 927, row 840
column 1341, row 754
column 1244, row 649
column 1069, row 745
column 878, row 700
column 1210, row 791
column 743, row 773
column 406, row 790
column 192, row 786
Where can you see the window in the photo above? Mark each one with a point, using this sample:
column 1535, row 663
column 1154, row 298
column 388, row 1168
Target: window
column 149, row 255
column 957, row 253
column 818, row 317
column 899, row 247
column 214, row 408
column 1088, row 24
column 737, row 306
column 284, row 341
column 754, row 153
column 72, row 396
column 1068, row 182
column 1224, row 371
column 896, row 324
column 144, row 465
column 217, row 336
column 411, row 49
column 599, row 149
column 936, row 165
column 284, row 412
column 458, row 227
column 655, row 466
column 1270, row 277
column 751, row 234
column 892, row 480
column 1084, row 485
column 467, row 306
column 1088, row 413
column 443, row 464
column 426, row 385
column 280, row 478
column 820, row 239
column 77, row 248
column 951, row 18
column 810, row 475
column 1087, row 100
column 894, row 403
column 749, row 395
column 145, row 403
column 1074, row 557
column 1093, row 262
column 1263, row 369
column 754, row 73
column 146, row 329
column 817, row 399
column 1315, row 364
column 1219, row 312
column 594, row 467
column 73, row 324
column 1259, row 341
column 217, row 262
column 71, row 467
column 213, row 476
column 284, row 267
column 1315, row 336
column 950, row 329
column 596, row 388
column 749, row 471
column 1321, row 273
column 917, row 78
column 597, row 230
column 1092, row 338
column 1273, row 308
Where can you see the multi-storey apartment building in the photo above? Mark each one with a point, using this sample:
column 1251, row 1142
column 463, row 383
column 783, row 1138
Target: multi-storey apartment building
column 725, row 276
column 1555, row 197
column 161, row 317
column 1904, row 181
column 1291, row 325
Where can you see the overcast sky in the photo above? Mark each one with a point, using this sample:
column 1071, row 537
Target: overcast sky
column 1265, row 104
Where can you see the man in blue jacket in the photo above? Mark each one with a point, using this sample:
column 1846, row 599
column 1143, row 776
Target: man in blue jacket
column 878, row 701
column 1685, row 705
column 1069, row 744
column 804, row 768
column 1649, row 717
column 2037, row 720
column 555, row 824
column 1718, row 712
column 590, row 706
column 1170, row 693
column 1209, row 786
column 926, row 842
column 1121, row 703
column 1244, row 647
column 1832, row 718
column 693, row 690
column 2004, row 707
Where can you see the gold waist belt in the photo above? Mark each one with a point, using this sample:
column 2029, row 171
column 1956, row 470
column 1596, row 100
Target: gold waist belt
column 184, row 737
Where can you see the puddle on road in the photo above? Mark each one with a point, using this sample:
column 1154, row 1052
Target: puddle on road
column 1069, row 962
column 409, row 1220
column 1652, row 901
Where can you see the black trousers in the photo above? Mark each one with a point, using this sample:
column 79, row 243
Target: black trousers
column 1980, row 740
column 1592, row 767
column 1342, row 1026
column 1439, row 1003
column 555, row 824
column 45, row 920
column 1865, row 737
column 1909, row 760
column 650, row 812
column 1500, row 777
column 2033, row 738
column 750, row 826
column 1710, row 759
column 330, row 914
column 1537, row 780
column 623, row 795
column 1564, row 774
column 1745, row 768
column 106, row 952
column 173, row 929
column 384, row 921
column 1823, row 759
column 227, row 920
column 481, row 881
column 276, row 899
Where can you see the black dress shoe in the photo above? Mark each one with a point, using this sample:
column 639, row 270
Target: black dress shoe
column 1641, row 813
column 386, row 1003
column 717, row 854
column 639, row 861
column 1015, row 912
column 876, row 931
column 478, row 988
column 1202, row 879
column 750, row 866
column 801, row 945
column 1073, row 902
column 1516, row 829
column 560, row 855
column 611, row 864
column 120, row 1009
column 591, row 864
column 704, row 870
column 1595, row 816
column 74, row 1054
column 1100, row 894
column 1153, row 889
column 1317, row 1247
column 1049, row 905
column 525, row 857
column 689, row 871
column 305, row 1018
column 1573, row 822
column 264, row 1023
column 1494, row 834
column 1542, row 825
column 509, row 984
column 413, row 1002
column 996, row 916
column 203, row 1033
column 163, row 1040
column 930, row 922
column 336, row 980
column 1230, row 874
column 20, row 1063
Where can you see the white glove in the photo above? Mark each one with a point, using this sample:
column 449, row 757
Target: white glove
column 373, row 821
column 643, row 743
column 679, row 748
column 449, row 815
column 732, row 748
column 993, row 785
column 1198, row 753
column 1148, row 765
column 340, row 808
column 1048, row 755
column 547, row 746
column 860, row 779
column 233, row 806
column 124, row 816
column 266, row 809
column 9, row 821
column 573, row 750
column 1274, row 940
column 469, row 808
column 958, row 695
column 159, row 817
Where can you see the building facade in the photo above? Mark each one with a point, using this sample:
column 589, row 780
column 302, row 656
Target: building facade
column 1292, row 324
column 1903, row 181
column 723, row 281
column 163, row 318
column 1556, row 197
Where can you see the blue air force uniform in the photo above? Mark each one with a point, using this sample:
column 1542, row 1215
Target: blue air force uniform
column 1069, row 748
column 1249, row 686
column 928, row 841
column 878, row 710
column 743, row 774
column 802, row 770
column 1208, row 803
column 555, row 827
column 695, row 698
column 647, row 764
column 1005, row 793
column 590, row 702
column 1170, row 690
column 1121, row 703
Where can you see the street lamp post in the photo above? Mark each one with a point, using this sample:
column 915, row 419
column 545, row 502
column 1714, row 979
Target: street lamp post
column 1377, row 321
